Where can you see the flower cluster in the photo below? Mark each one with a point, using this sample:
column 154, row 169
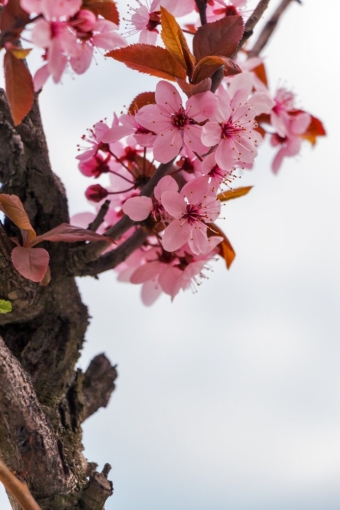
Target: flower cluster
column 206, row 137
column 68, row 34
column 202, row 142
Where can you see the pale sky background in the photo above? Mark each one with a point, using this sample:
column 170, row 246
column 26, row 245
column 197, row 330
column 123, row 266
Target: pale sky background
column 228, row 399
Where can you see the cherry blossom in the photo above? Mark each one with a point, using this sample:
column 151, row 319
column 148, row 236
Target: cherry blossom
column 194, row 207
column 175, row 125
column 232, row 130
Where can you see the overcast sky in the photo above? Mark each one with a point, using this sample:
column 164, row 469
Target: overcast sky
column 227, row 399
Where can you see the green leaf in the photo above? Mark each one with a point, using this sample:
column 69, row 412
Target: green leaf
column 5, row 306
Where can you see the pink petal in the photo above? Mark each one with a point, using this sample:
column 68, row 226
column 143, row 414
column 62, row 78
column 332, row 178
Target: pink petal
column 192, row 139
column 150, row 117
column 202, row 106
column 196, row 190
column 300, row 123
column 167, row 145
column 151, row 291
column 116, row 133
column 82, row 62
column 168, row 97
column 146, row 272
column 56, row 60
column 40, row 77
column 138, row 208
column 211, row 134
column 173, row 203
column 168, row 279
column 109, row 41
column 175, row 235
column 59, row 8
column 198, row 241
column 262, row 103
column 41, row 33
column 167, row 183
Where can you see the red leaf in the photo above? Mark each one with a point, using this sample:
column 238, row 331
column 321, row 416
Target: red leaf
column 148, row 59
column 13, row 15
column 69, row 234
column 218, row 38
column 226, row 251
column 108, row 10
column 191, row 89
column 31, row 263
column 141, row 100
column 208, row 65
column 19, row 87
column 12, row 207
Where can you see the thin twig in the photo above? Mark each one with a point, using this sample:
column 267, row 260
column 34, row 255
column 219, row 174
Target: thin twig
column 17, row 488
column 94, row 250
column 111, row 259
column 202, row 9
column 269, row 28
column 100, row 216
column 252, row 22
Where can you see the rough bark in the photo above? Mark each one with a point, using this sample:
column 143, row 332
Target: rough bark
column 43, row 400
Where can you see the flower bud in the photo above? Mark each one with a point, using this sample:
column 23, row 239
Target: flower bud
column 96, row 193
column 85, row 20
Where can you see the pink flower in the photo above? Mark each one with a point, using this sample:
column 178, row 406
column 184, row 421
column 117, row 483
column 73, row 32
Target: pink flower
column 194, row 207
column 232, row 130
column 52, row 8
column 217, row 9
column 176, row 126
column 145, row 20
column 169, row 273
column 139, row 208
column 211, row 169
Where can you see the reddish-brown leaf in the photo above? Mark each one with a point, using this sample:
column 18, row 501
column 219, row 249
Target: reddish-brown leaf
column 12, row 14
column 191, row 89
column 191, row 29
column 69, row 234
column 108, row 10
column 148, row 59
column 233, row 193
column 141, row 100
column 19, row 87
column 31, row 263
column 175, row 41
column 208, row 65
column 218, row 38
column 226, row 251
column 13, row 208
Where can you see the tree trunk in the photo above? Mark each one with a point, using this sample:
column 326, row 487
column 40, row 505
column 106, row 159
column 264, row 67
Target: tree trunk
column 43, row 400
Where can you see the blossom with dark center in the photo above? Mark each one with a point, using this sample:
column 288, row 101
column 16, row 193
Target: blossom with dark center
column 176, row 125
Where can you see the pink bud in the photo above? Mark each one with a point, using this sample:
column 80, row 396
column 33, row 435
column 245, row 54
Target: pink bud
column 96, row 193
column 85, row 20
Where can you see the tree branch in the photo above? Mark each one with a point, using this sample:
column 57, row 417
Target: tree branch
column 269, row 28
column 82, row 260
column 27, row 442
column 98, row 384
column 251, row 23
column 111, row 259
column 202, row 9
